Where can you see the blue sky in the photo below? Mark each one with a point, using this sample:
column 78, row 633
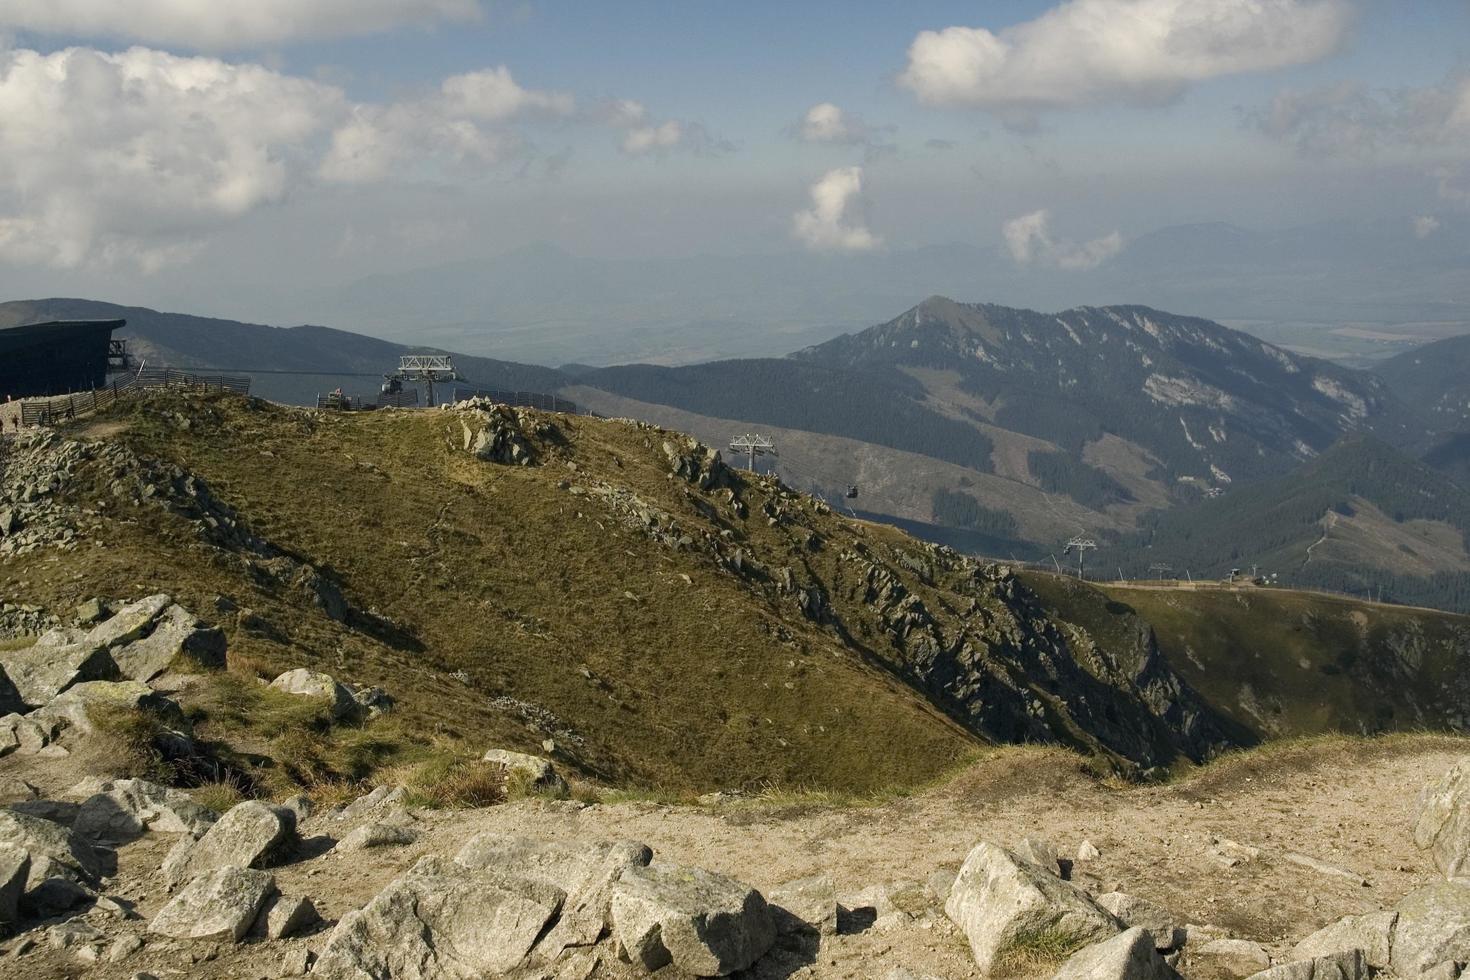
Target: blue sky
column 297, row 148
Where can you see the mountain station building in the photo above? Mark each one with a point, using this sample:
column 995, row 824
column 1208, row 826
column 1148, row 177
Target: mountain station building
column 56, row 357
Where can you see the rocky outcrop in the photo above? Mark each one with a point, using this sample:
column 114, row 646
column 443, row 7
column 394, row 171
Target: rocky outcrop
column 998, row 899
column 702, row 923
column 1372, row 933
column 537, row 772
column 15, row 870
column 314, row 684
column 1135, row 913
column 493, row 433
column 221, row 905
column 1348, row 965
column 250, row 835
column 1433, row 927
column 122, row 810
column 55, row 851
column 440, row 921
column 1442, row 820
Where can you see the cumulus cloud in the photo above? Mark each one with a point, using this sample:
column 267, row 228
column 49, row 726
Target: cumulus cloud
column 1139, row 52
column 643, row 136
column 829, row 123
column 834, row 221
column 1030, row 242
column 493, row 95
column 1425, row 225
column 132, row 156
column 212, row 24
column 1346, row 118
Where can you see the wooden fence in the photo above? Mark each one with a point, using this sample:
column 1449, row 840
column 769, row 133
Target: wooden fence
column 44, row 411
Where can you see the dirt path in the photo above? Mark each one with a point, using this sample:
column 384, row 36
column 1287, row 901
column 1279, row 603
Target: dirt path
column 1343, row 802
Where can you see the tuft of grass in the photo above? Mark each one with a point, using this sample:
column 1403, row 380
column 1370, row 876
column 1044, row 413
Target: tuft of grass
column 14, row 643
column 1036, row 952
column 449, row 783
column 219, row 795
column 124, row 743
column 522, row 785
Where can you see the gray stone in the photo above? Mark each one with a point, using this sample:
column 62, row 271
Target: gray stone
column 285, row 916
column 1433, row 926
column 812, row 902
column 377, row 834
column 57, row 811
column 939, row 884
column 998, row 898
column 128, row 623
column 1039, row 853
column 1087, row 851
column 1448, row 970
column 53, row 896
column 10, row 700
column 1137, row 913
column 295, row 962
column 15, row 868
column 251, row 835
column 176, row 634
column 440, row 921
column 585, row 872
column 54, row 850
column 72, row 709
column 124, row 947
column 1349, row 965
column 14, row 790
column 314, row 684
column 703, row 923
column 1442, row 820
column 91, row 611
column 124, row 809
column 73, row 934
column 1130, row 955
column 1372, row 933
column 220, row 905
column 19, row 733
column 539, row 772
column 41, row 673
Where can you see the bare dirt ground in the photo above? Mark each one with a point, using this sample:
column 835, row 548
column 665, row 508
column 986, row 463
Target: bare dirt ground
column 1186, row 846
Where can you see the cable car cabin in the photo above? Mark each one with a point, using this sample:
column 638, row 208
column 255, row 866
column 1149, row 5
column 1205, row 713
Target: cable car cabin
column 852, row 492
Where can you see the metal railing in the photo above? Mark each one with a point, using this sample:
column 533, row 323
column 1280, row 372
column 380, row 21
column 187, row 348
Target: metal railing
column 58, row 408
column 519, row 399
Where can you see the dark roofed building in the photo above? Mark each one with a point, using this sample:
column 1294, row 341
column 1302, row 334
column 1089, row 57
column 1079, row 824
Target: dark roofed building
column 55, row 358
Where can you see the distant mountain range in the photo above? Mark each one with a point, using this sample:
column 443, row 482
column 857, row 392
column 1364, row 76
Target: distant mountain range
column 542, row 304
column 1168, row 439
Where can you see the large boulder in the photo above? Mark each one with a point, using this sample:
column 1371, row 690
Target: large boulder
column 1442, row 820
column 55, row 852
column 124, row 809
column 1433, row 926
column 10, row 700
column 1372, row 933
column 377, row 833
column 539, row 773
column 585, row 872
column 176, row 633
column 1130, row 955
column 221, row 905
column 999, row 899
column 1347, row 965
column 129, row 623
column 703, row 923
column 440, row 921
column 315, row 684
column 39, row 673
column 250, row 835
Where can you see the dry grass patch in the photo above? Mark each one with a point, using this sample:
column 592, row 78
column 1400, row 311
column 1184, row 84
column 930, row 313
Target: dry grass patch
column 1036, row 954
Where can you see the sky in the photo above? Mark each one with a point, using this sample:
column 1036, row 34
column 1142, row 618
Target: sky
column 172, row 152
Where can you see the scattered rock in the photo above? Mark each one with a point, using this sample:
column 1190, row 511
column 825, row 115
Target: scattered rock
column 123, row 947
column 295, row 962
column 377, row 834
column 73, row 934
column 811, row 902
column 585, row 872
column 538, row 771
column 1322, row 867
column 41, row 673
column 1442, row 820
column 14, row 790
column 55, row 852
column 1349, row 965
column 285, row 916
column 314, row 684
column 1130, row 955
column 998, row 898
column 73, row 707
column 1039, row 853
column 1372, row 933
column 123, row 809
column 220, row 904
column 130, row 622
column 1137, row 913
column 440, row 921
column 1087, row 852
column 701, row 922
column 1433, row 926
column 251, row 835
column 176, row 633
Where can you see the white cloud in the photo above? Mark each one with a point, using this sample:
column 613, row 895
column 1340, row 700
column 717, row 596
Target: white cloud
column 646, row 139
column 828, row 123
column 226, row 24
column 833, row 222
column 1345, row 118
column 494, row 96
column 1140, row 52
column 1030, row 242
column 1425, row 225
column 131, row 157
